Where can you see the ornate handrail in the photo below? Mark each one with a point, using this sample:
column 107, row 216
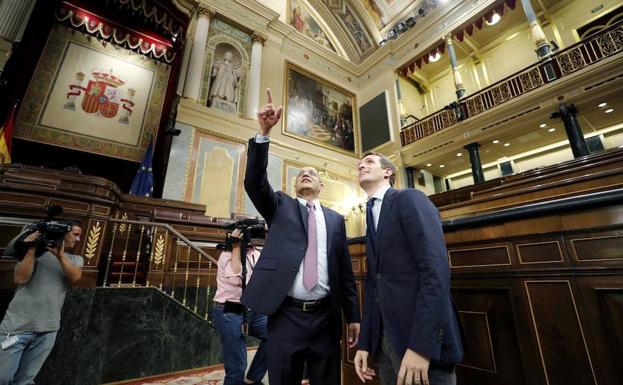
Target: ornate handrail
column 152, row 254
column 563, row 63
column 171, row 230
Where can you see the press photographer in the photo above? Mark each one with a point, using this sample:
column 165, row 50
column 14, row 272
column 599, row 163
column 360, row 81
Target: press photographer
column 50, row 231
column 231, row 319
column 43, row 273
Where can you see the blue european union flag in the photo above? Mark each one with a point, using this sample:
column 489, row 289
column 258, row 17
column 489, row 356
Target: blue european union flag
column 143, row 183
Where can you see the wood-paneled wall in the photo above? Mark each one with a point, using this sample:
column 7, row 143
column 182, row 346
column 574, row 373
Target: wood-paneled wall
column 25, row 192
column 540, row 299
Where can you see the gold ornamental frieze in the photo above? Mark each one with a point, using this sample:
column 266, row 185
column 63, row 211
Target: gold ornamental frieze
column 159, row 251
column 92, row 242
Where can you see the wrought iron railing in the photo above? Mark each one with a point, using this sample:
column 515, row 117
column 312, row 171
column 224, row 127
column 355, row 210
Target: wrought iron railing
column 574, row 58
column 150, row 254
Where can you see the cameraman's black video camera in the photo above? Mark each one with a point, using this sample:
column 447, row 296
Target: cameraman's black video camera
column 51, row 234
column 251, row 228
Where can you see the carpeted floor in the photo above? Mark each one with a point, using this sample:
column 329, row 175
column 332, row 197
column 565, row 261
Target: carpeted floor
column 211, row 375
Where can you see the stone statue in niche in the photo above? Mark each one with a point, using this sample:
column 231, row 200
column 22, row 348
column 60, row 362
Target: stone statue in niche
column 225, row 79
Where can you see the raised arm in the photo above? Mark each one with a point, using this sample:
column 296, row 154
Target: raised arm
column 256, row 183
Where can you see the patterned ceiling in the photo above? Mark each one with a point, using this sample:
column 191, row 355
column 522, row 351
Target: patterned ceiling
column 385, row 13
column 352, row 28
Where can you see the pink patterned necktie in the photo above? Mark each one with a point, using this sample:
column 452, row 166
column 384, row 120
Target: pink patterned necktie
column 310, row 264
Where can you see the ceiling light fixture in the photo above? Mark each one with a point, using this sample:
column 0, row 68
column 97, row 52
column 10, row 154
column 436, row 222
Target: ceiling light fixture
column 434, row 57
column 428, row 164
column 511, row 37
column 441, row 166
column 506, row 144
column 494, row 19
column 496, row 141
column 551, row 129
column 543, row 125
column 459, row 154
column 602, row 105
column 609, row 110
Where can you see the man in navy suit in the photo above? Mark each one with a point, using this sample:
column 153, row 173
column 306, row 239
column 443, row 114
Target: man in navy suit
column 410, row 326
column 304, row 278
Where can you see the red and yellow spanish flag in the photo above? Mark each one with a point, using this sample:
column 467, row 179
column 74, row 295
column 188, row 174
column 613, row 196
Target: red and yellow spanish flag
column 6, row 132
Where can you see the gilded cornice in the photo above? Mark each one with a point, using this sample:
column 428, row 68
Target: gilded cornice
column 206, row 11
column 186, row 6
column 251, row 14
column 257, row 37
column 339, row 70
column 415, row 41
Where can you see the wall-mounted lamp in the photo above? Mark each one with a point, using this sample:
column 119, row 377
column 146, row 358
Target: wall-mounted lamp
column 359, row 209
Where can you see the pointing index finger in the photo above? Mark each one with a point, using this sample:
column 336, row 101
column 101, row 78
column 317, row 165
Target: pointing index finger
column 269, row 95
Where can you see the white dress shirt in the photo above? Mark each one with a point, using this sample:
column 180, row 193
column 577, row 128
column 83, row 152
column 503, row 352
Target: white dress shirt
column 321, row 290
column 376, row 208
column 259, row 138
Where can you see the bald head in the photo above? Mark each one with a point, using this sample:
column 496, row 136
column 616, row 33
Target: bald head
column 308, row 184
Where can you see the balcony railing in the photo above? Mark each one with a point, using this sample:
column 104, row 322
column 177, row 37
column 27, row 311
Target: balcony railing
column 607, row 43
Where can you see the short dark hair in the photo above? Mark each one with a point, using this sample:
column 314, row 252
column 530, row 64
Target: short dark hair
column 385, row 163
column 72, row 223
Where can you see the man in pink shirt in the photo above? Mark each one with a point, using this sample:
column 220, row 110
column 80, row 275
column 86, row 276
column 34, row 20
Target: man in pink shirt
column 228, row 312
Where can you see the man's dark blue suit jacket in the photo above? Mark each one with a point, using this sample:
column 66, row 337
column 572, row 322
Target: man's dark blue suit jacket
column 285, row 247
column 407, row 290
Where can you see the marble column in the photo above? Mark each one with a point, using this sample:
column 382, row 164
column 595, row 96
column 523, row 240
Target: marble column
column 568, row 115
column 14, row 15
column 458, row 81
column 474, row 159
column 253, row 88
column 194, row 75
column 181, row 81
column 543, row 48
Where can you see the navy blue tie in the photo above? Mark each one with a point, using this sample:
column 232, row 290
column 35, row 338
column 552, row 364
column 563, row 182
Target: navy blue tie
column 370, row 220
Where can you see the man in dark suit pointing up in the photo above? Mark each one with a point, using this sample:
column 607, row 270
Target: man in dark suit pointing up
column 304, row 279
column 410, row 325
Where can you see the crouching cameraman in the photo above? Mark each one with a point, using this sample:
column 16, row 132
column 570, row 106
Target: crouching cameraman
column 232, row 320
column 29, row 327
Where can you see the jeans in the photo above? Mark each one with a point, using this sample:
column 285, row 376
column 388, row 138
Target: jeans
column 388, row 363
column 229, row 326
column 20, row 363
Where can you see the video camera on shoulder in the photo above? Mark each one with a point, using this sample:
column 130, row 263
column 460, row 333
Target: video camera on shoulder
column 251, row 228
column 51, row 234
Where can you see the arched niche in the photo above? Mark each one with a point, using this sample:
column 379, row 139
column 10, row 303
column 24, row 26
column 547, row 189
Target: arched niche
column 226, row 57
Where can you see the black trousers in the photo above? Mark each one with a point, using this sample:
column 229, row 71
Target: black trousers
column 296, row 339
